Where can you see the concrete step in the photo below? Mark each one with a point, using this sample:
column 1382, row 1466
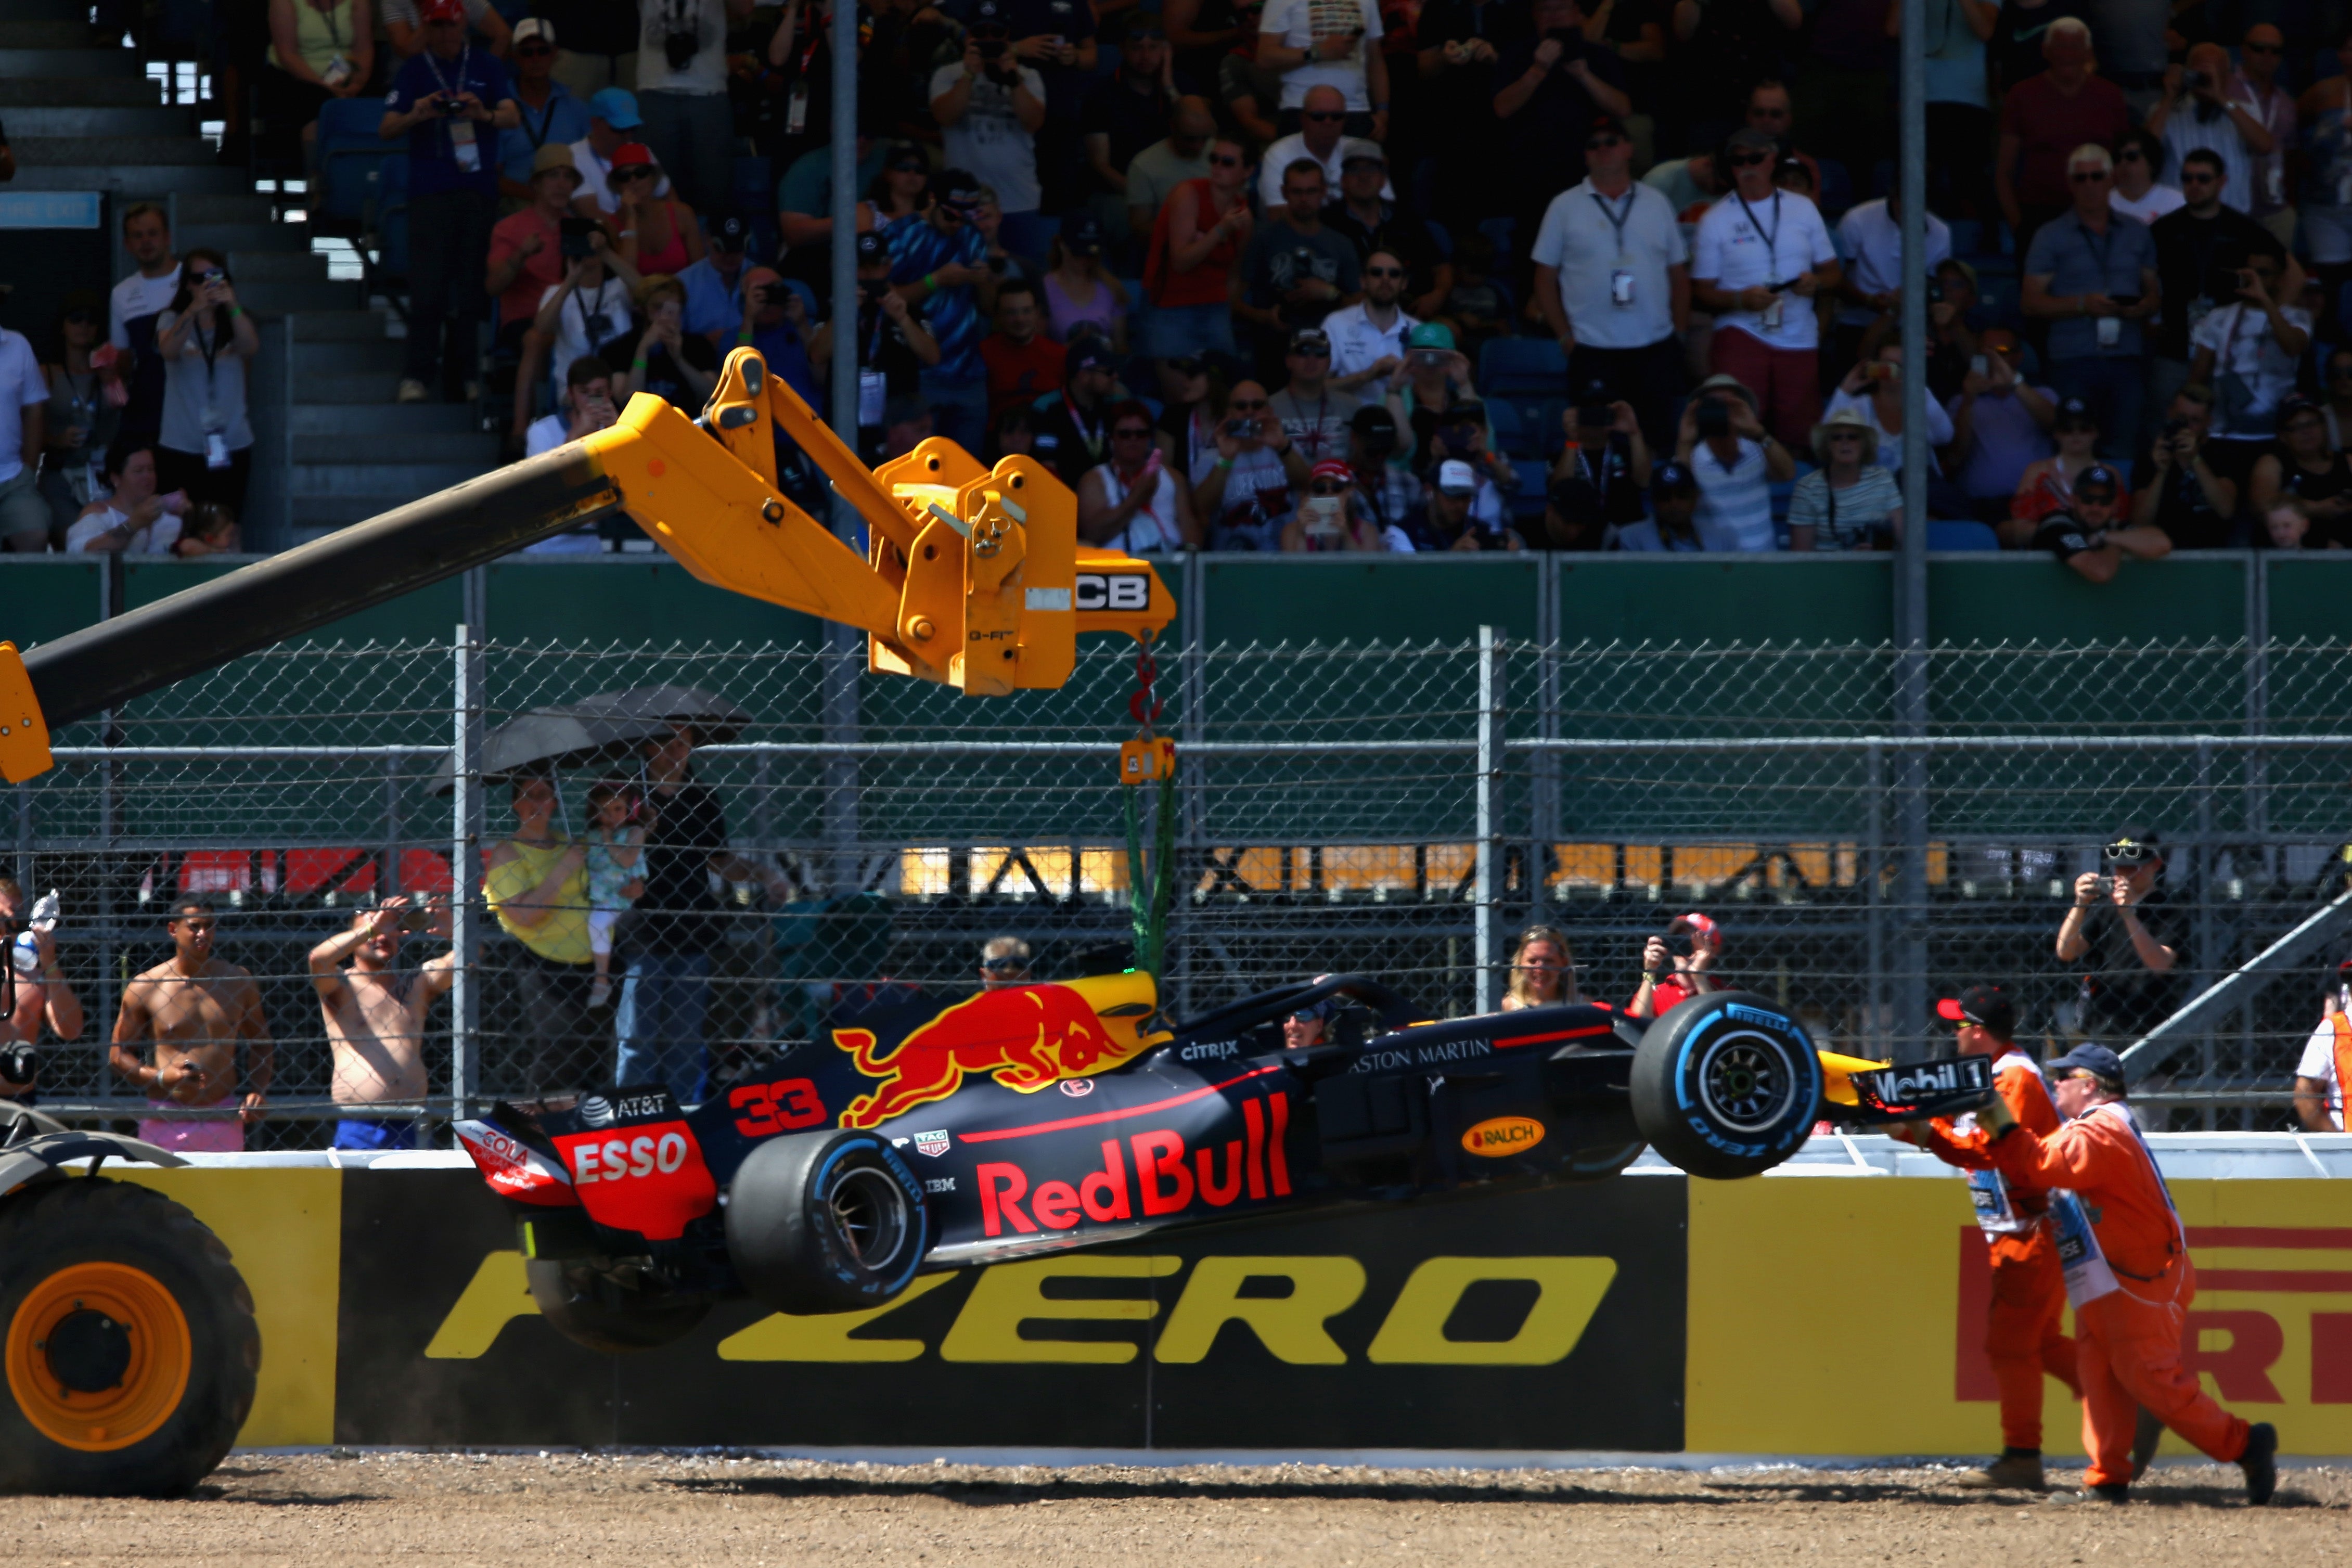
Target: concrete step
column 401, row 421
column 24, row 30
column 243, row 204
column 74, row 11
column 346, row 357
column 78, row 91
column 436, row 450
column 253, row 266
column 99, row 119
column 339, row 326
column 362, row 386
column 244, row 239
column 70, row 61
column 390, row 484
column 279, row 299
column 137, row 180
column 50, row 151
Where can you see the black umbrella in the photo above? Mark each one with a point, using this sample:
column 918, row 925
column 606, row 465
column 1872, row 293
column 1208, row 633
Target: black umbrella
column 643, row 712
column 542, row 740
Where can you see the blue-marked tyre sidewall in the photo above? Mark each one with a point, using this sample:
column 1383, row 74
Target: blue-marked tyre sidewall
column 1727, row 1085
column 827, row 1221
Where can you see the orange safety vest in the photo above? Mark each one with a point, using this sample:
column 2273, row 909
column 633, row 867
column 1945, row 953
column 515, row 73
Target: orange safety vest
column 2343, row 1027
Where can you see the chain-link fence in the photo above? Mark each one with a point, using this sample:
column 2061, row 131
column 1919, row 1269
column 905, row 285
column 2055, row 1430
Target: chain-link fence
column 1399, row 811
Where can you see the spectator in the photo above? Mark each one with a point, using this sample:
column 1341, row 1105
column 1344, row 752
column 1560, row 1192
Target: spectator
column 1080, row 294
column 1295, row 270
column 132, row 518
column 2326, row 1065
column 895, row 346
column 1596, row 481
column 1024, row 364
column 45, row 998
column 204, row 337
column 1365, row 218
column 941, row 263
column 1771, row 110
column 1446, row 520
column 319, row 50
column 900, row 189
column 988, row 217
column 1384, row 487
column 1245, row 497
column 658, row 233
column 1673, row 527
column 1543, row 969
column 599, row 48
column 789, row 89
column 1870, row 239
column 1954, row 320
column 2092, row 274
column 991, row 105
column 2181, row 489
column 1851, row 502
column 1313, row 409
column 2008, row 422
column 1250, row 91
column 1872, row 390
column 1134, row 500
column 1959, row 109
column 1760, row 258
column 1318, row 141
column 682, row 94
column 586, row 315
column 2048, row 486
column 2197, row 250
column 587, row 408
column 536, row 886
column 1548, row 89
column 1153, row 174
column 2325, row 113
column 527, row 262
column 613, row 124
column 131, row 311
column 1367, row 338
column 1462, row 434
column 679, row 367
column 445, row 101
column 210, row 530
column 1072, row 432
column 407, row 25
column 616, row 839
column 1670, row 978
column 2247, row 351
column 906, row 425
column 666, row 996
column 375, row 1023
column 1689, row 185
column 1333, row 44
column 1478, row 306
column 2307, row 475
column 80, row 420
column 714, row 285
column 1328, row 520
column 1432, row 378
column 1057, row 37
column 1004, row 963
column 1613, row 281
column 2044, row 120
column 2275, row 107
column 2130, row 942
column 1189, row 415
column 2288, row 527
column 775, row 321
column 197, row 1009
column 1729, row 45
column 24, row 419
column 1724, row 446
column 547, row 115
column 1191, row 270
column 2202, row 111
column 1127, row 115
column 2337, row 408
column 2139, row 159
column 1461, row 43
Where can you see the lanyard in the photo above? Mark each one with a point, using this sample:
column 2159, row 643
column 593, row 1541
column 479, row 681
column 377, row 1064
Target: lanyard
column 1618, row 217
column 209, row 347
column 1772, row 240
column 1093, row 438
column 465, row 58
column 2100, row 252
column 538, row 138
column 588, row 332
column 326, row 15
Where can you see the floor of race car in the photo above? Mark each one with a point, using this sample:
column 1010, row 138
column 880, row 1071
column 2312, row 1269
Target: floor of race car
column 377, row 1508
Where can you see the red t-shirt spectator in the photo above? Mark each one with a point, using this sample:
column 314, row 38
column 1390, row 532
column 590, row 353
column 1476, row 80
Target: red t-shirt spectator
column 541, row 270
column 2049, row 126
column 1019, row 372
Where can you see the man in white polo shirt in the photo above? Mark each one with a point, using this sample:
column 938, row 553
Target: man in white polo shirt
column 1367, row 338
column 1870, row 238
column 1761, row 257
column 1613, row 281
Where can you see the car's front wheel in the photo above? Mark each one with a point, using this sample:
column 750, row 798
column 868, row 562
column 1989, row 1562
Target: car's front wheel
column 1727, row 1085
column 827, row 1221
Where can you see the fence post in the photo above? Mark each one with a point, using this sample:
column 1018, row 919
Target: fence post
column 1490, row 813
column 2208, row 1062
column 844, row 648
column 1543, row 782
column 1873, row 863
column 465, row 860
column 1192, row 776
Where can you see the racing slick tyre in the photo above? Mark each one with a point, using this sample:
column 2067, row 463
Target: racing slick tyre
column 1726, row 1085
column 609, row 1311
column 131, row 1347
column 829, row 1221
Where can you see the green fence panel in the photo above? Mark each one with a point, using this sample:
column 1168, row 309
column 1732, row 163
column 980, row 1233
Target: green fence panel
column 428, row 615
column 45, row 597
column 1269, row 599
column 1746, row 600
column 630, row 600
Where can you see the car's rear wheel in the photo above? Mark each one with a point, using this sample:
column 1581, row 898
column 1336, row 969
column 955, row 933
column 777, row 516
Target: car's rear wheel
column 615, row 1310
column 1727, row 1085
column 130, row 1343
column 826, row 1222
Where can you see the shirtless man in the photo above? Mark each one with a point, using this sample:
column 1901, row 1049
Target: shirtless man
column 375, row 1019
column 43, row 997
column 195, row 1008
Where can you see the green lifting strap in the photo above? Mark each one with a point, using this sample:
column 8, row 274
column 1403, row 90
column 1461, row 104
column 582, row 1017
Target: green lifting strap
column 1151, row 891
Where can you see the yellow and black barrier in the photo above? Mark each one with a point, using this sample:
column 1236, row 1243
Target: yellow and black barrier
column 1787, row 1315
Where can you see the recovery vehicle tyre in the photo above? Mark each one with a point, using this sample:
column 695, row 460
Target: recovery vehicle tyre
column 827, row 1221
column 130, row 1348
column 607, row 1312
column 1726, row 1085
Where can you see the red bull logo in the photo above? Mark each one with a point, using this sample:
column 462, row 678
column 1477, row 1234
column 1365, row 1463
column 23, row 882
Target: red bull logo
column 1025, row 1038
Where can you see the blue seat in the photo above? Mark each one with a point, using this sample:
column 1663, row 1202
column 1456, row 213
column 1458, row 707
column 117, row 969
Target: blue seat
column 1505, row 418
column 750, row 192
column 1836, row 193
column 1439, row 238
column 387, row 223
column 1966, row 233
column 1508, row 366
column 1947, row 535
column 1534, row 483
column 351, row 156
column 1498, row 229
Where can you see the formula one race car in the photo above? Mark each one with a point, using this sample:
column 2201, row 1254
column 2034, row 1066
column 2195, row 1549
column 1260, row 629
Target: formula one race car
column 1045, row 1117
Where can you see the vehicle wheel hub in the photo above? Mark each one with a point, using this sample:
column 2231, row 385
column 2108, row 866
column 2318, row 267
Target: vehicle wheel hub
column 1746, row 1083
column 869, row 1215
column 87, row 1352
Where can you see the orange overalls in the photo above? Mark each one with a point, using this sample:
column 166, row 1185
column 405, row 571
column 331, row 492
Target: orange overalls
column 2022, row 1336
column 2131, row 1290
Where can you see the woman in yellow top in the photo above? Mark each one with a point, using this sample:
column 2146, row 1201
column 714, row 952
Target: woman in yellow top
column 537, row 886
column 319, row 49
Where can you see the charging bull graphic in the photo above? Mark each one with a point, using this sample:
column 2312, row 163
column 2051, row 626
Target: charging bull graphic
column 1026, row 1038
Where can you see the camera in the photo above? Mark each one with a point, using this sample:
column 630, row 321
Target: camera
column 1594, row 414
column 450, row 107
column 1675, row 946
column 2105, row 886
column 1240, row 429
column 996, row 263
column 574, row 234
column 19, row 1064
column 871, row 289
column 416, row 917
column 991, row 49
column 1714, row 420
column 2196, row 81
column 680, row 46
column 214, row 276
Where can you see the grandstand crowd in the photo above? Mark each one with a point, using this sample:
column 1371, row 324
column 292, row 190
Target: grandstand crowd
column 1333, row 275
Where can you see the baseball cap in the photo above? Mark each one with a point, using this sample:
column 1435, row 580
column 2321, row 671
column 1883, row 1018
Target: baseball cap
column 441, row 11
column 1726, row 382
column 730, row 232
column 872, row 249
column 2074, row 411
column 1606, row 124
column 2133, row 849
column 1747, row 139
column 2097, row 1060
column 632, row 154
column 555, row 155
column 1469, row 411
column 1082, row 235
column 1087, row 353
column 2098, row 477
column 1989, row 1005
column 991, row 17
column 1332, row 469
column 1310, row 341
column 2063, row 535
column 956, row 187
column 538, row 27
column 1363, row 153
column 2295, row 405
column 1373, row 420
column 1429, row 335
column 1671, row 478
column 1457, row 478
column 616, row 107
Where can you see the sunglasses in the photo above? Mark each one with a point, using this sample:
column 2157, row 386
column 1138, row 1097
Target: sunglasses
column 1225, row 160
column 2089, row 177
column 1750, row 160
column 1246, row 404
column 193, row 925
column 1306, row 350
column 1383, row 271
column 2129, row 851
column 912, row 166
column 1327, row 487
column 1848, row 434
column 2131, row 155
column 1187, row 367
column 1005, row 965
column 1137, row 433
column 533, row 51
column 1322, row 116
column 2262, row 49
column 636, row 172
column 1602, row 143
column 2199, row 179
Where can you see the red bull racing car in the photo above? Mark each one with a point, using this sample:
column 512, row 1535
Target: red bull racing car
column 933, row 1136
